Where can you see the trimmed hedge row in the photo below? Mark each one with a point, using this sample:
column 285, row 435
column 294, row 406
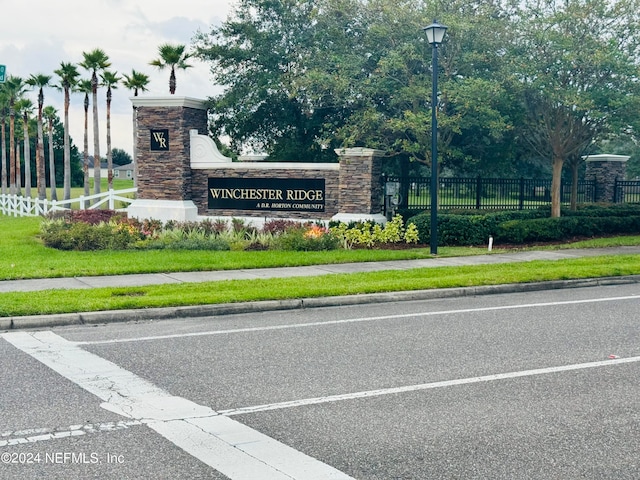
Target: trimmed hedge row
column 466, row 228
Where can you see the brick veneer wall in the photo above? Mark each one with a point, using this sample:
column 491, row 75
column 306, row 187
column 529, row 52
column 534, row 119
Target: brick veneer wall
column 361, row 188
column 166, row 175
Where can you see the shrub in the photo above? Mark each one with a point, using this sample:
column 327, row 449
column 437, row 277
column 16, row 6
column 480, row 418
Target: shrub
column 463, row 230
column 188, row 239
column 306, row 238
column 84, row 236
column 55, row 234
column 279, row 225
column 206, row 243
column 564, row 228
column 537, row 230
column 411, row 234
column 92, row 217
column 371, row 235
column 604, row 210
column 466, row 228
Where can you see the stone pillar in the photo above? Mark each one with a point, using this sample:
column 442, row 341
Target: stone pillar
column 360, row 189
column 163, row 156
column 605, row 169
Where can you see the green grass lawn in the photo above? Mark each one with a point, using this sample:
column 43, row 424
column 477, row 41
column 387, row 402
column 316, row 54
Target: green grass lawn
column 22, row 255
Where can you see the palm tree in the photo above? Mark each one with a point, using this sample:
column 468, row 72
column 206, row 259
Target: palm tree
column 4, row 112
column 68, row 74
column 84, row 86
column 172, row 56
column 24, row 106
column 50, row 114
column 18, row 173
column 14, row 89
column 94, row 61
column 137, row 82
column 40, row 81
column 109, row 80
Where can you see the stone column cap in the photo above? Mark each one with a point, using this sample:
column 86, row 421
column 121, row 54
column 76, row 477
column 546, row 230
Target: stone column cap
column 606, row 157
column 358, row 152
column 169, row 101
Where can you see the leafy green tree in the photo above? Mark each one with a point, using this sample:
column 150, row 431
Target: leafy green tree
column 68, row 74
column 344, row 72
column 577, row 62
column 172, row 57
column 259, row 56
column 474, row 109
column 519, row 81
column 40, row 81
column 95, row 61
column 120, row 157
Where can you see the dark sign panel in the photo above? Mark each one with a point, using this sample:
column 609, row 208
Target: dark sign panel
column 283, row 194
column 160, row 140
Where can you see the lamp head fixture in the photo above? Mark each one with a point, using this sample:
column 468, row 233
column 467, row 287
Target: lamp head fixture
column 435, row 33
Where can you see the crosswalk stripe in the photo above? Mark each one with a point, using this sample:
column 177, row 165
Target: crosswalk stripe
column 235, row 450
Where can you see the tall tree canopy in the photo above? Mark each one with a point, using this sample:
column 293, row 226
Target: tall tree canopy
column 576, row 63
column 261, row 55
column 301, row 76
column 518, row 81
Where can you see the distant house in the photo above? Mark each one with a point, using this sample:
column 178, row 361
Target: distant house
column 123, row 171
column 119, row 171
column 103, row 168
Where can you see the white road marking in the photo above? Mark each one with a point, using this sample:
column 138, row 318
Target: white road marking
column 33, row 435
column 425, row 386
column 212, row 437
column 230, row 447
column 355, row 320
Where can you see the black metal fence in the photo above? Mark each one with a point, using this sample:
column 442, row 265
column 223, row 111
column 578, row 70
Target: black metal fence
column 627, row 191
column 414, row 193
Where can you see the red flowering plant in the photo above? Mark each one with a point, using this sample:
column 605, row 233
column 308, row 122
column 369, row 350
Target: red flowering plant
column 315, row 231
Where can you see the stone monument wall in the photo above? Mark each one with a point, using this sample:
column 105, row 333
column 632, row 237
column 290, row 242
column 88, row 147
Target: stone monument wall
column 183, row 176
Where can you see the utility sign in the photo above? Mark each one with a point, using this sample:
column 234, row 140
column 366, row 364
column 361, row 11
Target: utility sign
column 3, row 72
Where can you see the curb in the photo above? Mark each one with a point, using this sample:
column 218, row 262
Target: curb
column 172, row 313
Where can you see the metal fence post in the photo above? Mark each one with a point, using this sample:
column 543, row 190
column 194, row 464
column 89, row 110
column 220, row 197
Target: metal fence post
column 521, row 200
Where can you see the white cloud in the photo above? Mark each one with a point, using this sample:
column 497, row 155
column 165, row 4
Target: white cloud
column 37, row 35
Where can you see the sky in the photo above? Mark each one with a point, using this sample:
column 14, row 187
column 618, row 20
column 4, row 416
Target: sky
column 37, row 35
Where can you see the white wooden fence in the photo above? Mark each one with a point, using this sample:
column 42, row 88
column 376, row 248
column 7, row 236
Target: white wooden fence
column 19, row 206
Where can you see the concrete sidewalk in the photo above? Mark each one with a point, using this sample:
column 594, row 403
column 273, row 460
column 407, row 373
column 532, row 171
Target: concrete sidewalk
column 70, row 283
column 79, row 283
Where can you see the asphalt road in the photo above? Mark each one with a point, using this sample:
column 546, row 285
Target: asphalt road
column 524, row 385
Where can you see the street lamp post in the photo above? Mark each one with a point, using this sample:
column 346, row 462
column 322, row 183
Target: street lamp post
column 435, row 34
